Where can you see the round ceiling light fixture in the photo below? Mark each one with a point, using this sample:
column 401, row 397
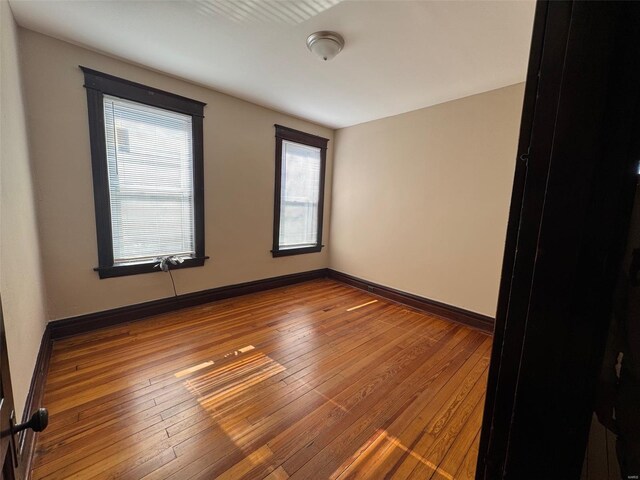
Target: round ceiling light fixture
column 325, row 45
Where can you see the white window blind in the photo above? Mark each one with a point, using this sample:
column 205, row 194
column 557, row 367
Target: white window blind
column 300, row 193
column 150, row 164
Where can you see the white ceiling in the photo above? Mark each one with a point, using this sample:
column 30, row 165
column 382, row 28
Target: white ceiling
column 399, row 55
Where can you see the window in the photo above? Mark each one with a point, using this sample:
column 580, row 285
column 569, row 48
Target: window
column 299, row 192
column 146, row 149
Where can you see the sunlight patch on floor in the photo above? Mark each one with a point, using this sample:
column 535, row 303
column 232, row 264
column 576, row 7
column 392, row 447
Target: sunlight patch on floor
column 226, row 386
column 235, row 353
column 330, row 400
column 195, row 368
column 200, row 366
column 231, row 380
column 221, row 386
column 360, row 306
column 375, row 450
column 359, row 457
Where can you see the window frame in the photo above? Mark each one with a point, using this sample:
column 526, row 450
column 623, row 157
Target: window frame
column 98, row 84
column 307, row 139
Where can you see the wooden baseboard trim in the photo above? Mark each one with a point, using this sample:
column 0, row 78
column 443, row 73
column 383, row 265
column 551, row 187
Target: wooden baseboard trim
column 86, row 323
column 27, row 438
column 455, row 314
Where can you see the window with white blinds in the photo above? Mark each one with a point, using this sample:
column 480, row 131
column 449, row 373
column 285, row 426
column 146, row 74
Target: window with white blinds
column 300, row 195
column 147, row 159
column 300, row 167
column 150, row 170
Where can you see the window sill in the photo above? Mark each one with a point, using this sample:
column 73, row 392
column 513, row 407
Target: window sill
column 295, row 251
column 149, row 267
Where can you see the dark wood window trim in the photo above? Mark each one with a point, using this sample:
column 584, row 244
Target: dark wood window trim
column 291, row 135
column 97, row 84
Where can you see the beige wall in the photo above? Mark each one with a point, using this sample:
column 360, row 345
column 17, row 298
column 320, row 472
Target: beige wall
column 239, row 181
column 420, row 200
column 21, row 283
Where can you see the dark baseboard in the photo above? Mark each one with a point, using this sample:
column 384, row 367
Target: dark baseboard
column 92, row 321
column 27, row 438
column 456, row 314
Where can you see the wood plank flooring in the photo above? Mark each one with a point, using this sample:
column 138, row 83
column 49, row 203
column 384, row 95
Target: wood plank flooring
column 290, row 383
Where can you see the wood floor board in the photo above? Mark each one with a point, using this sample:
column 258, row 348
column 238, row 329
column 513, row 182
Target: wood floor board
column 365, row 398
column 458, row 449
column 289, row 415
column 378, row 418
column 403, row 430
column 290, row 383
column 339, row 408
column 182, row 333
column 162, row 366
column 435, row 442
column 165, row 390
column 143, row 465
column 278, row 474
column 467, row 468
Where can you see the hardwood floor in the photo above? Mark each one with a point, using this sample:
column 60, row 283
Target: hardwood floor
column 313, row 381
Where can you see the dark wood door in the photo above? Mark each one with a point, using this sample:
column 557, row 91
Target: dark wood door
column 571, row 204
column 7, row 411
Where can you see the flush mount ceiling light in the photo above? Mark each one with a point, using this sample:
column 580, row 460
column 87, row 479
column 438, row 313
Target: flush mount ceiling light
column 325, row 45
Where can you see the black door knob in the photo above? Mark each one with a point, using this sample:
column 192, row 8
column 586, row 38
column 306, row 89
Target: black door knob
column 38, row 422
